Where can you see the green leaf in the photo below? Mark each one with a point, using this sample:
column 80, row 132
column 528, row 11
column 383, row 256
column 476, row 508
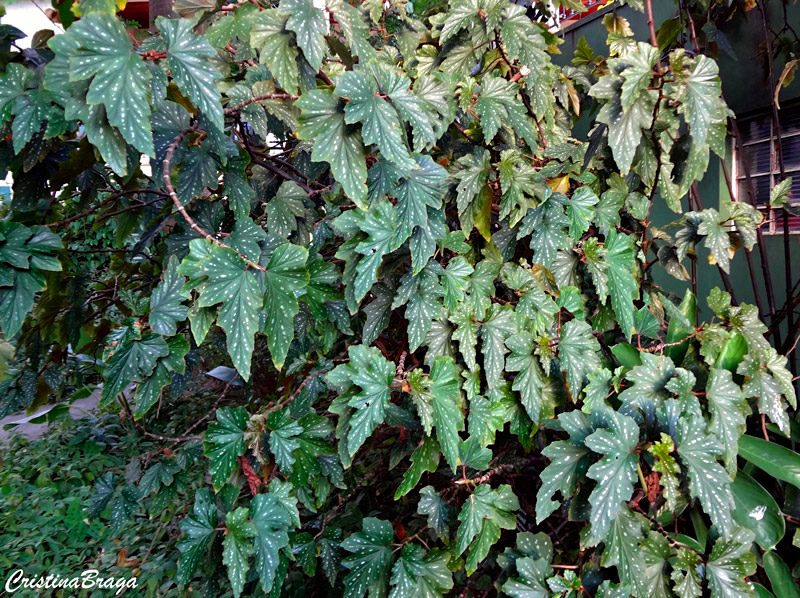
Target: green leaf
column 419, row 575
column 636, row 68
column 370, row 559
column 417, row 110
column 716, row 236
column 729, row 564
column 462, row 14
column 531, row 581
column 547, row 224
column 419, row 190
column 685, row 575
column 149, row 391
column 224, row 442
column 445, row 398
column 436, row 509
column 472, row 176
column 225, row 278
column 119, row 80
column 580, row 211
column 769, row 380
column 780, row 576
column 285, row 280
column 353, row 25
column 424, row 458
column 309, row 24
column 270, row 35
column 237, row 548
column 498, row 326
column 622, row 284
column 624, row 126
column 485, row 512
column 757, row 511
column 455, row 279
column 380, row 123
column 166, row 301
column 15, row 82
column 17, row 299
column 189, row 57
column 649, row 383
column 30, row 110
column 29, row 247
column 322, row 120
column 530, row 380
column 520, row 184
column 578, row 351
column 373, row 374
column 728, row 409
column 615, row 473
column 134, row 361
column 285, row 208
column 283, row 438
column 778, row 461
column 381, row 226
column 199, row 530
column 498, row 106
column 780, row 193
column 702, row 105
column 708, row 480
column 421, row 295
column 271, row 522
column 523, row 39
column 623, row 551
column 567, row 465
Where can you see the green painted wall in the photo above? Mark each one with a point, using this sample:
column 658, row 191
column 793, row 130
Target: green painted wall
column 745, row 87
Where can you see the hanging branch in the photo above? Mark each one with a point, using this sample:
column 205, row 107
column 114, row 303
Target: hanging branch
column 748, row 254
column 166, row 167
column 765, row 267
column 778, row 143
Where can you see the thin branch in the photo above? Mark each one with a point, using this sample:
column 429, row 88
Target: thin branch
column 778, row 144
column 173, row 439
column 652, row 27
column 266, row 161
column 267, row 96
column 762, row 253
column 748, row 254
column 104, row 203
column 167, row 166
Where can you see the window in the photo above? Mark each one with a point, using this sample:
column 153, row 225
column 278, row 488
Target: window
column 757, row 167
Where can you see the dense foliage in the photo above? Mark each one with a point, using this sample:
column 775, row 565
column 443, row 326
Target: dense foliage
column 427, row 251
column 61, row 514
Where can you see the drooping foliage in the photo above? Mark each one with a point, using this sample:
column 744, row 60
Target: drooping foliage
column 450, row 359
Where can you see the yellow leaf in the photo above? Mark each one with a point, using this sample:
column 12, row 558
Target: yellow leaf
column 617, row 24
column 559, row 184
column 786, row 78
column 483, row 213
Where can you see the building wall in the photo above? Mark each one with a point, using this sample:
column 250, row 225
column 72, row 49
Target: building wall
column 29, row 16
